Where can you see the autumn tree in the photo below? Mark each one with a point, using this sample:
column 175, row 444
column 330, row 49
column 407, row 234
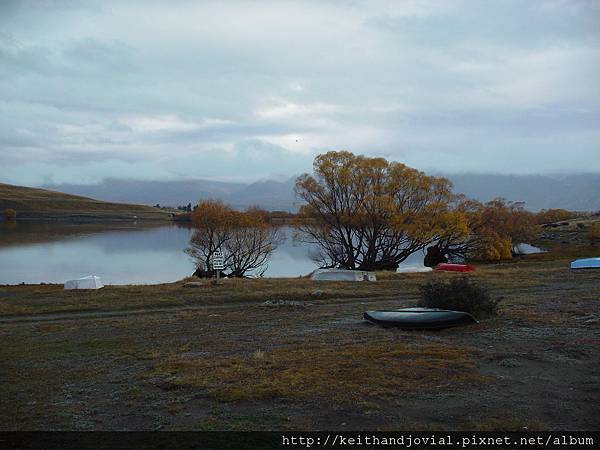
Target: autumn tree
column 260, row 213
column 213, row 221
column 245, row 238
column 464, row 241
column 593, row 234
column 371, row 214
column 509, row 222
column 495, row 229
column 554, row 215
column 10, row 214
column 251, row 243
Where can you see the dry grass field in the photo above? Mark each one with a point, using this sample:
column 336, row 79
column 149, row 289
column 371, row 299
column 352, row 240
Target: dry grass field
column 32, row 203
column 224, row 357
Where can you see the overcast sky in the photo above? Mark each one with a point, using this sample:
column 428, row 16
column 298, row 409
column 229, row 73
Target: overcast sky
column 248, row 90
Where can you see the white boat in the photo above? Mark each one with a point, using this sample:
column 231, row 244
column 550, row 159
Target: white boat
column 413, row 269
column 342, row 275
column 89, row 282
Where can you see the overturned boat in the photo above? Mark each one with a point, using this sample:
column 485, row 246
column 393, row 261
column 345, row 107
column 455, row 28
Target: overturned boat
column 419, row 318
column 89, row 282
column 449, row 267
column 413, row 269
column 586, row 263
column 342, row 275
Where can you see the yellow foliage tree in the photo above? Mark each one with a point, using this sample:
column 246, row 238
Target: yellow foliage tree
column 246, row 239
column 554, row 215
column 494, row 230
column 466, row 240
column 496, row 248
column 213, row 221
column 371, row 214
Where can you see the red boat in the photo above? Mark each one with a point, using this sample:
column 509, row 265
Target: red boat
column 455, row 267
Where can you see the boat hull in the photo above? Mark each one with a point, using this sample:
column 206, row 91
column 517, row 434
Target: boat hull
column 586, row 263
column 419, row 318
column 448, row 267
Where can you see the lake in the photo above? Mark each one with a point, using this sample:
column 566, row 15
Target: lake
column 121, row 253
column 127, row 253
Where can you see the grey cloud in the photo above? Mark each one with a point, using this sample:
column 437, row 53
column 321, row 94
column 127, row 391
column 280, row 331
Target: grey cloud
column 198, row 89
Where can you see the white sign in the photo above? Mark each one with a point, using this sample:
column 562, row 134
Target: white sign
column 218, row 261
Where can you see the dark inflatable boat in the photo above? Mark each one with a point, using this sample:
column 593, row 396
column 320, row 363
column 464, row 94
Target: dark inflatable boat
column 419, row 318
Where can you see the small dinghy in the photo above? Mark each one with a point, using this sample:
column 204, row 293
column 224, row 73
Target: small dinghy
column 586, row 263
column 419, row 318
column 455, row 267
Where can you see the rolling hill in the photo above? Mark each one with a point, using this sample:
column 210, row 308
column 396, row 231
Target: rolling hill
column 33, row 203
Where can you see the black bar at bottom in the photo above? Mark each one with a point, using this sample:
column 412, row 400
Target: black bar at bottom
column 66, row 440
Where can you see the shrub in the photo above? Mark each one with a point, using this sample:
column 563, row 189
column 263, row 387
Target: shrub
column 593, row 234
column 554, row 215
column 459, row 294
column 494, row 248
column 10, row 214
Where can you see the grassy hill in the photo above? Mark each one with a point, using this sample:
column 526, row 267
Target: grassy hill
column 32, row 203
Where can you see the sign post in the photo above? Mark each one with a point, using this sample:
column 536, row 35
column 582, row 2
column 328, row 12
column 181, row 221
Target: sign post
column 218, row 263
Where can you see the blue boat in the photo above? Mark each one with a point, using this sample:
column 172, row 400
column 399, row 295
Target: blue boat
column 586, row 263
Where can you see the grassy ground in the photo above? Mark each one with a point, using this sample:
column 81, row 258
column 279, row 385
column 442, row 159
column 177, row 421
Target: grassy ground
column 218, row 357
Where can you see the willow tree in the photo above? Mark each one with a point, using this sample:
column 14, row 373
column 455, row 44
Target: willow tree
column 494, row 230
column 371, row 214
column 251, row 243
column 246, row 239
column 213, row 221
column 507, row 224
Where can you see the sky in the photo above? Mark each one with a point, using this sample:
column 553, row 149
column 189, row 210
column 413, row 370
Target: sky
column 239, row 90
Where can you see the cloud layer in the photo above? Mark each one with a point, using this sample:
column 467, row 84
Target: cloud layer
column 239, row 90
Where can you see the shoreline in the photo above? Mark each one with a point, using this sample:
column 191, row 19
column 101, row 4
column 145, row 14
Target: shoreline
column 551, row 255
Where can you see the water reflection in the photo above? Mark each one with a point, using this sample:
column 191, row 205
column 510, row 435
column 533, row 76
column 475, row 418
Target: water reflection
column 121, row 253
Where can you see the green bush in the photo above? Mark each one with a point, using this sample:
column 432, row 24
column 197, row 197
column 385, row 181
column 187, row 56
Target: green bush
column 459, row 294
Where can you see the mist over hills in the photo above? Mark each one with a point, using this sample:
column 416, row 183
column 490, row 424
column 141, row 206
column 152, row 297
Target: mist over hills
column 580, row 192
column 576, row 192
column 269, row 194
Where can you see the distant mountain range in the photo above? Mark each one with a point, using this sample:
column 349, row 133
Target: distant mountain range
column 269, row 194
column 580, row 192
column 576, row 192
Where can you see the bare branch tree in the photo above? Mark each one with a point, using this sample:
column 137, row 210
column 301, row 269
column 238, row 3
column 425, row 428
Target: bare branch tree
column 246, row 239
column 251, row 245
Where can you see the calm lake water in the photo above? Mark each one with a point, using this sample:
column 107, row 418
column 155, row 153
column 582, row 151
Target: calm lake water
column 124, row 253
